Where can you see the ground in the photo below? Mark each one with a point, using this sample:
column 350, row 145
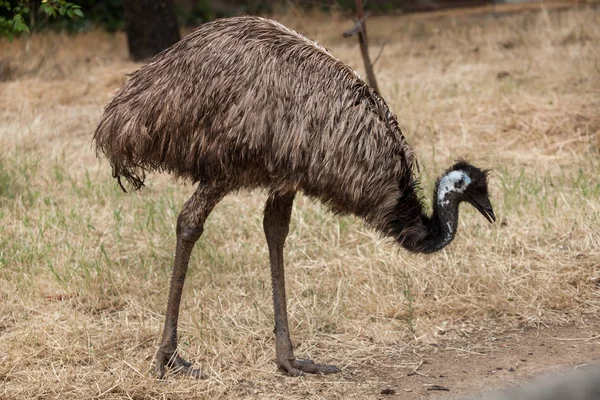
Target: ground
column 489, row 358
column 84, row 267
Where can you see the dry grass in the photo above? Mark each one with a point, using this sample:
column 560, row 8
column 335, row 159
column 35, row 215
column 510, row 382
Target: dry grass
column 84, row 268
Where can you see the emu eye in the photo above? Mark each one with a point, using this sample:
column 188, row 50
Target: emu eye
column 459, row 184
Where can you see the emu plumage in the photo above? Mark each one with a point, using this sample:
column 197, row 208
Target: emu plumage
column 246, row 103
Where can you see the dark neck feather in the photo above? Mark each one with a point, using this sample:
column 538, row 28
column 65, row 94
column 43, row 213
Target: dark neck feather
column 419, row 232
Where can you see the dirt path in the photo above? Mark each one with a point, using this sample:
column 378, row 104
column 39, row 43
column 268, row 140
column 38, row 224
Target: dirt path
column 487, row 360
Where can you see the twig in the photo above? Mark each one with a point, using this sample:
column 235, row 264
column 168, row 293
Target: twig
column 380, row 52
column 437, row 387
column 358, row 27
column 465, row 351
column 576, row 339
column 129, row 365
column 415, row 372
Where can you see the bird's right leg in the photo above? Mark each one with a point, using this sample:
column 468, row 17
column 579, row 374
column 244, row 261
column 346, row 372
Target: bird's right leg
column 276, row 225
column 190, row 225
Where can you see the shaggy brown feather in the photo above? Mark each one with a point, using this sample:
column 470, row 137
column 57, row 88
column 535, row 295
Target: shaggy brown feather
column 245, row 103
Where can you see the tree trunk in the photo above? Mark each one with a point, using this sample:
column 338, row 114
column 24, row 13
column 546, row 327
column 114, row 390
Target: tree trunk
column 151, row 27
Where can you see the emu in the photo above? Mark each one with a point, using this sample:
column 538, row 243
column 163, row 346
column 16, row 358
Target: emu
column 246, row 103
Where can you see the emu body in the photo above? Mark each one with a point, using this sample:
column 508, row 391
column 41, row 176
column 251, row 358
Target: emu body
column 247, row 103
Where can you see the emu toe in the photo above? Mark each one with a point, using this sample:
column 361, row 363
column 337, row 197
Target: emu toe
column 177, row 365
column 297, row 367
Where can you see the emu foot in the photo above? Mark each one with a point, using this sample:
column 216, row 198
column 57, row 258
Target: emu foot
column 297, row 367
column 176, row 364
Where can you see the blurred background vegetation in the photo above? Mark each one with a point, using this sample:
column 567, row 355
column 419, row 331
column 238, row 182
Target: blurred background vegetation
column 110, row 15
column 153, row 25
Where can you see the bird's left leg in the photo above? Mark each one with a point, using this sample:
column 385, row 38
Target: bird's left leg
column 276, row 225
column 190, row 225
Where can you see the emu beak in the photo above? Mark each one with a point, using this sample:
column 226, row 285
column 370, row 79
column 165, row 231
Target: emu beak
column 483, row 205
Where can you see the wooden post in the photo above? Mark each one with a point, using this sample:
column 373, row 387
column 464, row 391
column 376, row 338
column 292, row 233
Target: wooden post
column 364, row 45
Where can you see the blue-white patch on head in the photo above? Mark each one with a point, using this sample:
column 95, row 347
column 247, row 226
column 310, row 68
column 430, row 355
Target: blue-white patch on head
column 453, row 182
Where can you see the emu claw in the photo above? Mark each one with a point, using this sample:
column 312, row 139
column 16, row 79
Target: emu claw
column 177, row 365
column 297, row 367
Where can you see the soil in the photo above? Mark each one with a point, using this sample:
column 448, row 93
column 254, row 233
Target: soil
column 486, row 360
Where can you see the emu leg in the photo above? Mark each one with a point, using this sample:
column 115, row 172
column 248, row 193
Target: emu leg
column 276, row 225
column 189, row 229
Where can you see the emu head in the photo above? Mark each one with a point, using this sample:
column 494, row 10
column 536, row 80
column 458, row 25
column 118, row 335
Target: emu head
column 465, row 182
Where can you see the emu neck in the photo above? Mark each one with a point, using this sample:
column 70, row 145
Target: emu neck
column 441, row 226
column 428, row 233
